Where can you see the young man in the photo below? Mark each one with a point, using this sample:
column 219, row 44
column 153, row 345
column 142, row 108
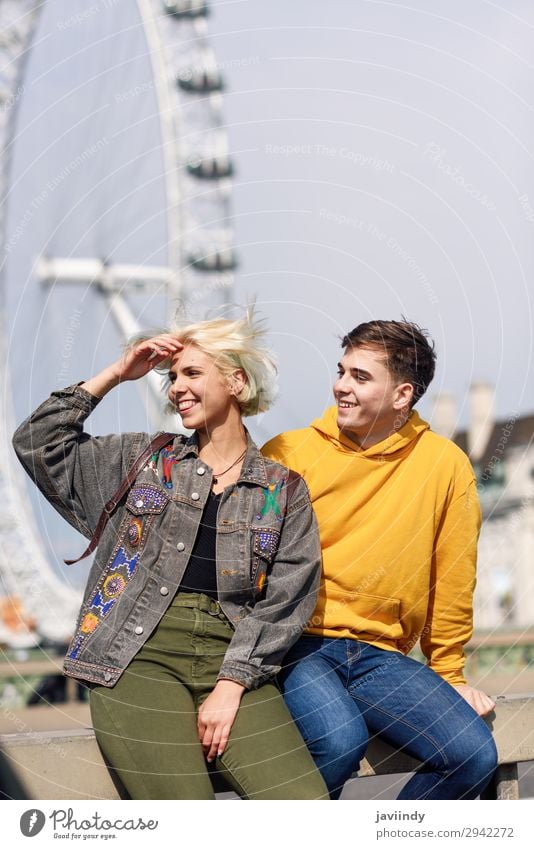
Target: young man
column 399, row 520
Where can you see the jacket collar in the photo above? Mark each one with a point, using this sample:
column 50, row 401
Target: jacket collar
column 189, row 447
column 253, row 469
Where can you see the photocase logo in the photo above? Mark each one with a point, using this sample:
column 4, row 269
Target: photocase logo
column 32, row 822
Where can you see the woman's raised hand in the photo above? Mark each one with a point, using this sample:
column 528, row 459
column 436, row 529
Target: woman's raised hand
column 143, row 357
column 136, row 362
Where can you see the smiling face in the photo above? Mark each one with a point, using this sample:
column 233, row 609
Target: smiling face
column 371, row 403
column 203, row 396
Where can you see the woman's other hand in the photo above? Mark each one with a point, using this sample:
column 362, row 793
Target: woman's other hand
column 216, row 717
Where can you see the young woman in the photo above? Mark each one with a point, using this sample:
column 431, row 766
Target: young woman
column 204, row 576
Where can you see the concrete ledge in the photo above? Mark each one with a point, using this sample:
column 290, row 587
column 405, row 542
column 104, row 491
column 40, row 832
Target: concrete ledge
column 69, row 765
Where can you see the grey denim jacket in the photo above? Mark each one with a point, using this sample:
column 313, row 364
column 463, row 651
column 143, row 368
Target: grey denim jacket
column 268, row 552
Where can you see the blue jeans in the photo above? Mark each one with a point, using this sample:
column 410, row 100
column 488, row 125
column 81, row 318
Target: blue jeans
column 340, row 692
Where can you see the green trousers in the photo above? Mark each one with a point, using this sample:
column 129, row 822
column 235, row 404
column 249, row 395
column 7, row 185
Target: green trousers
column 146, row 725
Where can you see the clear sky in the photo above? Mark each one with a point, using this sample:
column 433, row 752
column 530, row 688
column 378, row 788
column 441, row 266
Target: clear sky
column 385, row 167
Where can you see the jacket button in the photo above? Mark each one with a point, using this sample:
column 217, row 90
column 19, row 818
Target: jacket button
column 139, row 630
column 195, row 496
column 201, row 470
column 164, row 590
column 107, row 676
column 181, row 546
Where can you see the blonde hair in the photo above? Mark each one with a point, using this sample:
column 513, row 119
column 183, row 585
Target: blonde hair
column 235, row 344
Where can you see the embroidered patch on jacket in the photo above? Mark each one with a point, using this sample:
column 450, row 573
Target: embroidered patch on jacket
column 74, row 652
column 89, row 623
column 168, row 458
column 264, row 547
column 135, row 532
column 258, row 575
column 152, row 464
column 272, row 494
column 114, row 585
column 146, row 498
column 266, row 543
column 121, row 571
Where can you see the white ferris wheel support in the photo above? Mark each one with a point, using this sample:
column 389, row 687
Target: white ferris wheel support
column 200, row 255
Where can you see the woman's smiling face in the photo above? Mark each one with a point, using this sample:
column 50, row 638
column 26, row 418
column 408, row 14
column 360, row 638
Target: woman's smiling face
column 199, row 391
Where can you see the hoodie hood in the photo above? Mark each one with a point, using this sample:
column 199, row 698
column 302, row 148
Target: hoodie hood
column 398, row 441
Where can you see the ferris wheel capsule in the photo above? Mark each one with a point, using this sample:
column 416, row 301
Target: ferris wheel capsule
column 186, row 8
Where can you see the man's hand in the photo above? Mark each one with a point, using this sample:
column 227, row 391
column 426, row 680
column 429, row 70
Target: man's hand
column 479, row 701
column 216, row 717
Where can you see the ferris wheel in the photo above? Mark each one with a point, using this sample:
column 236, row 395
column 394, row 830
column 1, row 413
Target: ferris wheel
column 115, row 180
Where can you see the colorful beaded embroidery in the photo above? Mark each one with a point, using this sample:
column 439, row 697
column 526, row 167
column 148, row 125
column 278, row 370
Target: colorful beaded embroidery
column 142, row 499
column 135, row 532
column 89, row 623
column 114, row 585
column 266, row 542
column 145, row 498
column 121, row 571
column 73, row 654
column 265, row 546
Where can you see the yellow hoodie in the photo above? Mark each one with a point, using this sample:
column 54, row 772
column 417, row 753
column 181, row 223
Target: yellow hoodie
column 399, row 524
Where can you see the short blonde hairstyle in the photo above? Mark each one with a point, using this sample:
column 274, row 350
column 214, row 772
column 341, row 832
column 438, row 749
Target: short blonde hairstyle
column 235, row 344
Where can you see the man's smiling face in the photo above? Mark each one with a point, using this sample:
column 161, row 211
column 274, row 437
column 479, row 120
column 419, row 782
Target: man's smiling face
column 371, row 402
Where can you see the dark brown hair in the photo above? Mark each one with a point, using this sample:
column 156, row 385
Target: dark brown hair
column 409, row 353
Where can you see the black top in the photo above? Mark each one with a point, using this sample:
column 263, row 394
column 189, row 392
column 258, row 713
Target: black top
column 200, row 575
